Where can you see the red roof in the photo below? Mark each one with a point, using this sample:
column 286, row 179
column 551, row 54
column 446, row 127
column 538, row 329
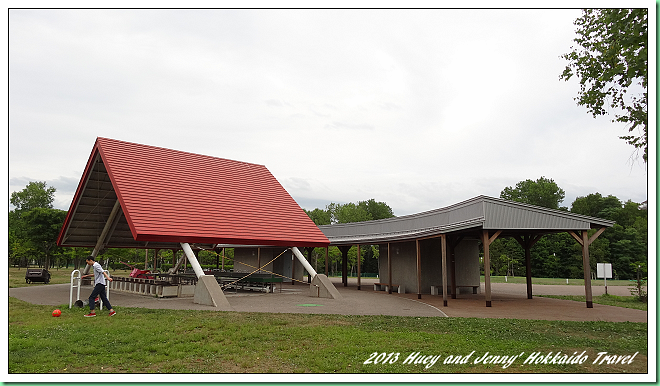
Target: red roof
column 174, row 196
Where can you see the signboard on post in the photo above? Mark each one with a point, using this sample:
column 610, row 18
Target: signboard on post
column 604, row 271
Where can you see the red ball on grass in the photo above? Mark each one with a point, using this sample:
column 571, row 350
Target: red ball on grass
column 57, row 313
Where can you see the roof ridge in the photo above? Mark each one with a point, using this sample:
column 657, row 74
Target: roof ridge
column 174, row 150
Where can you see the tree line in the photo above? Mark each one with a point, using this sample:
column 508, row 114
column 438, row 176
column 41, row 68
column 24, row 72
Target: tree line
column 34, row 226
column 624, row 245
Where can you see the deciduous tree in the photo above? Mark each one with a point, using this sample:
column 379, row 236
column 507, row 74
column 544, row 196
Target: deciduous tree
column 542, row 192
column 34, row 195
column 611, row 61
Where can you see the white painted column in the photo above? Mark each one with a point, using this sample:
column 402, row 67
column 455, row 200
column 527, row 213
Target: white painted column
column 304, row 262
column 193, row 260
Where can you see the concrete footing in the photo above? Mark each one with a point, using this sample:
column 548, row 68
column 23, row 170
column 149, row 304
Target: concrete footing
column 208, row 292
column 322, row 287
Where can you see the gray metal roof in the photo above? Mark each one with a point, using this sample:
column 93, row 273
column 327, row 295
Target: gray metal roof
column 481, row 212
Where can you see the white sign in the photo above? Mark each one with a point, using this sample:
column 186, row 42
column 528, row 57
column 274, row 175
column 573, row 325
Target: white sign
column 604, row 270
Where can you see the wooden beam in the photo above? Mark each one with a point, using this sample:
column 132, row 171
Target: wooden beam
column 452, row 262
column 492, row 238
column 587, row 269
column 344, row 264
column 535, row 239
column 528, row 266
column 389, row 269
column 486, row 243
column 326, row 260
column 358, row 266
column 430, row 237
column 419, row 271
column 520, row 240
column 595, row 235
column 100, row 242
column 575, row 236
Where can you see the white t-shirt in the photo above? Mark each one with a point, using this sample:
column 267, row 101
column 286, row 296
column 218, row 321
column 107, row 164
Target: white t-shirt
column 99, row 278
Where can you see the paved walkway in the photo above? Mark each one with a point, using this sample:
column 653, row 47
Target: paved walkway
column 508, row 301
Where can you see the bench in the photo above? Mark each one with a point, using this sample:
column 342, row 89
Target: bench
column 256, row 281
column 436, row 289
column 384, row 287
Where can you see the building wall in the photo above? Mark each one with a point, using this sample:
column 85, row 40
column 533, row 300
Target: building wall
column 467, row 265
column 245, row 258
column 404, row 265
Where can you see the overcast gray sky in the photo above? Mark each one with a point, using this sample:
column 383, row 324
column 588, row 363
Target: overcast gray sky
column 417, row 108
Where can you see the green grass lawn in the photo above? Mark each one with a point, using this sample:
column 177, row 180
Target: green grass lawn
column 609, row 300
column 183, row 341
column 556, row 281
column 57, row 276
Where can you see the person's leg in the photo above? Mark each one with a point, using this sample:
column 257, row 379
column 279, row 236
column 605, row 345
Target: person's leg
column 104, row 299
column 98, row 289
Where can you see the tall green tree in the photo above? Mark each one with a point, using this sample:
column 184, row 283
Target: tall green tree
column 319, row 216
column 611, row 61
column 377, row 210
column 43, row 226
column 595, row 205
column 345, row 213
column 542, row 192
column 35, row 195
column 33, row 223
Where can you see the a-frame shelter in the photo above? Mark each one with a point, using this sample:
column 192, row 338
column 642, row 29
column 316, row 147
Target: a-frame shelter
column 138, row 196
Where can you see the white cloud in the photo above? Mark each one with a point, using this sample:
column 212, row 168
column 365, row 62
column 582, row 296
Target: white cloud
column 417, row 108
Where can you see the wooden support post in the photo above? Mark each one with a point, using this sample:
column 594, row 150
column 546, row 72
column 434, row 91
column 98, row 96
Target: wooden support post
column 259, row 259
column 487, row 240
column 293, row 269
column 223, row 259
column 326, row 260
column 419, row 271
column 389, row 269
column 358, row 266
column 527, row 242
column 528, row 269
column 444, row 269
column 587, row 269
column 487, row 268
column 309, row 260
column 585, row 241
column 344, row 264
column 452, row 264
column 146, row 259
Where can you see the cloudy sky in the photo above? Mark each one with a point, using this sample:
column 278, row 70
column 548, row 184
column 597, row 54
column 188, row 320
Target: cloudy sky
column 417, row 108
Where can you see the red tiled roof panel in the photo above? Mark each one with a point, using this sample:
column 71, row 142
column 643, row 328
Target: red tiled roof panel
column 170, row 195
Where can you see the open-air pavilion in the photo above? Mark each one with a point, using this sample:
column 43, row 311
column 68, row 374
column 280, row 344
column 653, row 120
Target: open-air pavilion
column 138, row 196
column 438, row 251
